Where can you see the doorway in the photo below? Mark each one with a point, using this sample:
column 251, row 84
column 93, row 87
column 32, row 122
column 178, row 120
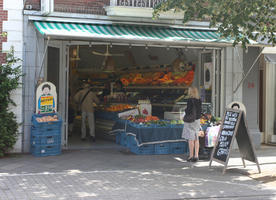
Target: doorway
column 53, row 61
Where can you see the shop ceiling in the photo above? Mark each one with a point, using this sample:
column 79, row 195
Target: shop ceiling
column 131, row 35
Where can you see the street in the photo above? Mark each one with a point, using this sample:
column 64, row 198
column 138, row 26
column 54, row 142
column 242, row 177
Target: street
column 115, row 173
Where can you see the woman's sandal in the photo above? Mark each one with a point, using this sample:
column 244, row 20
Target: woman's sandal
column 195, row 159
column 190, row 159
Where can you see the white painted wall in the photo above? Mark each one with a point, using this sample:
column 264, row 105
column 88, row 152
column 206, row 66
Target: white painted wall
column 34, row 49
column 141, row 12
column 270, row 103
column 14, row 29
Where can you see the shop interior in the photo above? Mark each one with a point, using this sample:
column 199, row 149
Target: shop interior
column 123, row 75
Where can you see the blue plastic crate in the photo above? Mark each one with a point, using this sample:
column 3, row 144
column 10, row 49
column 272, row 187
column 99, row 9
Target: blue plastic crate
column 131, row 141
column 147, row 149
column 118, row 138
column 179, row 147
column 123, row 140
column 45, row 150
column 54, row 139
column 46, row 125
column 162, row 148
column 49, row 131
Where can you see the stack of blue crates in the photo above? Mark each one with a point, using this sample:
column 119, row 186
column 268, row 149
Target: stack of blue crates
column 162, row 148
column 45, row 136
column 147, row 149
column 131, row 143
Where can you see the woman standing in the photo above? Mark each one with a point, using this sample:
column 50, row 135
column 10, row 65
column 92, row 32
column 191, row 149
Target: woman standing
column 191, row 128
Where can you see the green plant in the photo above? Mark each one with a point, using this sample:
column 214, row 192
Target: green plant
column 241, row 20
column 10, row 73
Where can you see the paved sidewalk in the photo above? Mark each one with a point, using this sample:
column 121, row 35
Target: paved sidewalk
column 114, row 173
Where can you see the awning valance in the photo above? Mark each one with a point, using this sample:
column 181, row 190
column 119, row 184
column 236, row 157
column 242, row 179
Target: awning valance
column 127, row 33
column 270, row 54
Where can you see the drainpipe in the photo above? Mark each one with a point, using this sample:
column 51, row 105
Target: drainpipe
column 23, row 81
column 37, row 79
column 43, row 57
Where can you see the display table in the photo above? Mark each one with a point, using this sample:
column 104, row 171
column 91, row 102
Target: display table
column 104, row 121
column 150, row 134
column 106, row 115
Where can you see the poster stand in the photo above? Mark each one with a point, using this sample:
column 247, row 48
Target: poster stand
column 46, row 98
column 233, row 126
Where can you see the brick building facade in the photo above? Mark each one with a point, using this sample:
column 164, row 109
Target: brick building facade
column 74, row 13
column 3, row 17
column 74, row 6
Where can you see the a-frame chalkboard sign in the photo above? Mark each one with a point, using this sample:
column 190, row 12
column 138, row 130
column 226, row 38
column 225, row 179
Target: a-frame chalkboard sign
column 233, row 126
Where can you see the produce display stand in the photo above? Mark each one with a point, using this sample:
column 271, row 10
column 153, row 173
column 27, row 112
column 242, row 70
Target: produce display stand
column 150, row 139
column 104, row 121
column 161, row 137
column 45, row 135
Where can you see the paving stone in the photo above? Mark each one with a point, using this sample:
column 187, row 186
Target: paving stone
column 108, row 174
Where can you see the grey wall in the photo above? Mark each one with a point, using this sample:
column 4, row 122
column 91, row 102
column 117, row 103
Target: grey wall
column 233, row 74
column 34, row 47
column 251, row 93
column 237, row 63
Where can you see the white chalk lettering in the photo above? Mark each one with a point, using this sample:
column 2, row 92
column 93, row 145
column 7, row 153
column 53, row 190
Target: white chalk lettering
column 222, row 151
column 232, row 119
column 227, row 133
column 228, row 127
column 233, row 123
column 223, row 138
column 227, row 122
column 223, row 144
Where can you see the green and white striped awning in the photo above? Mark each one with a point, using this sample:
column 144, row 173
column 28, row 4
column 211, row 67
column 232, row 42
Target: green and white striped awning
column 127, row 33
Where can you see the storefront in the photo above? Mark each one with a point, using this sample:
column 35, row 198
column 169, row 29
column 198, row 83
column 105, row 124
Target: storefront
column 269, row 89
column 77, row 51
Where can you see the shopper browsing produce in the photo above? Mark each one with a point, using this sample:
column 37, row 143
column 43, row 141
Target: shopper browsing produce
column 86, row 99
column 192, row 123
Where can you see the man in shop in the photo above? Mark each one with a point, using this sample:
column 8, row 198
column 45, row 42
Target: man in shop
column 119, row 86
column 86, row 100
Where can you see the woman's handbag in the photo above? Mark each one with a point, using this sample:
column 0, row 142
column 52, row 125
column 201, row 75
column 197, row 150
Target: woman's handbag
column 190, row 117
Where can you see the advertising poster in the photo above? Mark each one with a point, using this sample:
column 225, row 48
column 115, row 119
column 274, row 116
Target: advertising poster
column 46, row 98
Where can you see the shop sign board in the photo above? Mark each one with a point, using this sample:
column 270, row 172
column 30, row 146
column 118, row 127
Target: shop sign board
column 132, row 112
column 46, row 98
column 233, row 126
column 145, row 109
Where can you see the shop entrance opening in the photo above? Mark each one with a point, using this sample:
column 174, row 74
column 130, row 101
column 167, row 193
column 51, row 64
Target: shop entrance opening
column 159, row 76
